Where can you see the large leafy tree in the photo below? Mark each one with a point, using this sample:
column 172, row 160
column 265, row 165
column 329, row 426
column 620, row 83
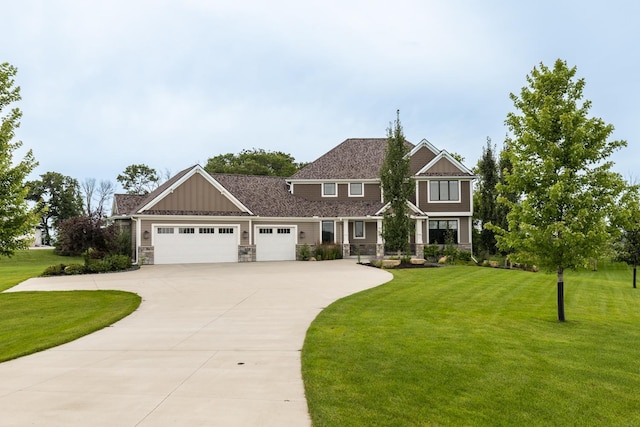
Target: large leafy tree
column 626, row 222
column 561, row 173
column 16, row 218
column 139, row 179
column 57, row 198
column 254, row 162
column 397, row 188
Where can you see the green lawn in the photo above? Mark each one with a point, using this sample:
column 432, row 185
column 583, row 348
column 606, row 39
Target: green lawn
column 31, row 263
column 34, row 321
column 478, row 346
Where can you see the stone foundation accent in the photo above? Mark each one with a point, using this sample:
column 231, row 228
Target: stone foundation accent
column 145, row 255
column 346, row 250
column 464, row 247
column 379, row 250
column 419, row 250
column 246, row 253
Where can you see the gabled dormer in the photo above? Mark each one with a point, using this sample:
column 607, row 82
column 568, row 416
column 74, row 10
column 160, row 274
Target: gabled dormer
column 190, row 192
column 443, row 184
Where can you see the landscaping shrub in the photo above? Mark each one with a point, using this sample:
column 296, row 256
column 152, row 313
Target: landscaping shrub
column 54, row 270
column 304, row 252
column 74, row 269
column 432, row 252
column 76, row 235
column 328, row 252
column 98, row 266
column 118, row 262
column 464, row 256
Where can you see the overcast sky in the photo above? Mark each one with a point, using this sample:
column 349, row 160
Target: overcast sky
column 171, row 83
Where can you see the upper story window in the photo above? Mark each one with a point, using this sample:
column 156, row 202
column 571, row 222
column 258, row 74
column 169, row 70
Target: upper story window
column 444, row 191
column 356, row 189
column 329, row 189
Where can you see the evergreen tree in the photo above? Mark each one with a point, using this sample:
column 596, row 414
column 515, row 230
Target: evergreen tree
column 16, row 219
column 395, row 176
column 485, row 196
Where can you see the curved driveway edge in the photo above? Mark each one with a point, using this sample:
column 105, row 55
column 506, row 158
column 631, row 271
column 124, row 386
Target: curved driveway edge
column 210, row 345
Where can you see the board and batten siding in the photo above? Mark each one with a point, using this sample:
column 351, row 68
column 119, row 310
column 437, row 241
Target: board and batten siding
column 196, row 195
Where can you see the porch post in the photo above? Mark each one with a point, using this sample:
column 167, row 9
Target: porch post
column 379, row 241
column 419, row 241
column 346, row 247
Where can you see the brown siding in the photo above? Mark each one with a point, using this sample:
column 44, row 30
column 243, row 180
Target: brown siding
column 421, row 158
column 314, row 192
column 308, row 191
column 463, row 232
column 197, row 195
column 463, row 206
column 444, row 166
column 370, row 233
column 372, row 192
column 311, row 233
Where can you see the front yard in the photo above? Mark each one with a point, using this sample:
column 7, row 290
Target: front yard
column 34, row 321
column 478, row 346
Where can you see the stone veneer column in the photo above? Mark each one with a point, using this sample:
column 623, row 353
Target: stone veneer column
column 379, row 242
column 346, row 247
column 419, row 241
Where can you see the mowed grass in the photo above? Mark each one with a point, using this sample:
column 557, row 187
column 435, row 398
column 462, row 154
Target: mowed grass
column 30, row 263
column 478, row 346
column 34, row 321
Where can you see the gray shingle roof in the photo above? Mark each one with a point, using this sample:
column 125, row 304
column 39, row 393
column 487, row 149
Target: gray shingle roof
column 355, row 158
column 126, row 204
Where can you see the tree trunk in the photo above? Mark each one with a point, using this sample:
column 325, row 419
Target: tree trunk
column 634, row 275
column 561, row 294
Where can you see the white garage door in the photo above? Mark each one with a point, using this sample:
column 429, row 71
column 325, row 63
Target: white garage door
column 195, row 244
column 275, row 243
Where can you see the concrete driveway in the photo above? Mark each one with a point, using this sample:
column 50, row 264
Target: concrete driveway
column 210, row 345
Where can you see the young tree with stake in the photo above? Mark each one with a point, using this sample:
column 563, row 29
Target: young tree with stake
column 561, row 172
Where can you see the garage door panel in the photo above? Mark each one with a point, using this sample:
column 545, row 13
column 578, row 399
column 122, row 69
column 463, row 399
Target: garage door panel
column 275, row 243
column 215, row 244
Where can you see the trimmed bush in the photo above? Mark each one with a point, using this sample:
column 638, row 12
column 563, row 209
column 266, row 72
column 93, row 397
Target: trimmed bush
column 432, row 252
column 54, row 270
column 74, row 269
column 118, row 262
column 304, row 252
column 98, row 266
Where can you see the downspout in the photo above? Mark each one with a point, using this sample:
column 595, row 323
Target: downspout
column 138, row 237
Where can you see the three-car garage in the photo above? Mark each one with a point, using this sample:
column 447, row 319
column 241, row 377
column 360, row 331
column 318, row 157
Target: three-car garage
column 186, row 244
